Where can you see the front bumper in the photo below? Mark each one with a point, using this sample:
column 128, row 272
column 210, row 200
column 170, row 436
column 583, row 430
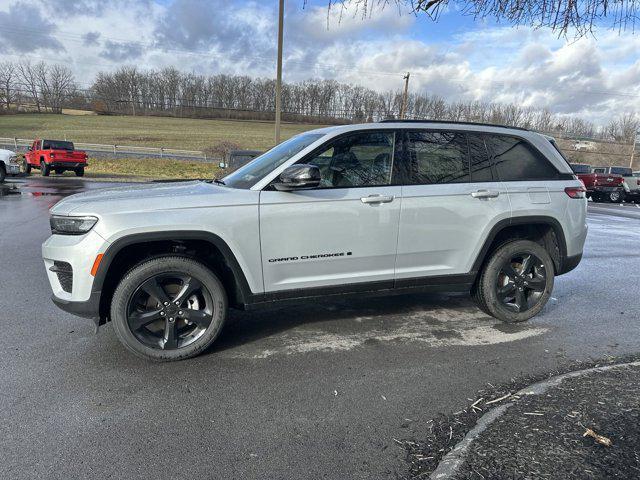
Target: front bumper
column 87, row 309
column 12, row 169
column 79, row 252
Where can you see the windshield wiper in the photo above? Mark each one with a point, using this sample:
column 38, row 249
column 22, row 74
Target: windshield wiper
column 218, row 181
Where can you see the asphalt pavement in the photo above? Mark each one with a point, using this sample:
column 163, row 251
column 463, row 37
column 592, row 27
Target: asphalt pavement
column 313, row 391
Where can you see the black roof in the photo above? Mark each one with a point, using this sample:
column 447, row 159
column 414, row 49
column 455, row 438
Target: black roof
column 395, row 120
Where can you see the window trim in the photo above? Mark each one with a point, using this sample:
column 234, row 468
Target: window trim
column 320, row 148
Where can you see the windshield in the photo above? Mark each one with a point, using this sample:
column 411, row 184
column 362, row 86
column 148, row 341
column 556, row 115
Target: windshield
column 580, row 168
column 56, row 145
column 260, row 167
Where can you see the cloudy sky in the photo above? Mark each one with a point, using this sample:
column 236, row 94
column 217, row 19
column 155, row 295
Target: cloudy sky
column 458, row 58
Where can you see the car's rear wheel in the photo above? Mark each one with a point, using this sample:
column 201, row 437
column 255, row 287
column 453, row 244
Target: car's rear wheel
column 615, row 197
column 79, row 172
column 169, row 308
column 516, row 282
column 44, row 169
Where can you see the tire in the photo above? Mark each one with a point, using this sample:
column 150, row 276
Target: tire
column 615, row 197
column 27, row 168
column 505, row 292
column 44, row 169
column 80, row 172
column 167, row 335
column 3, row 173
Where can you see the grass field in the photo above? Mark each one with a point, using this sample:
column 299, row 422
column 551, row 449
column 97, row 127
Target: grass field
column 184, row 133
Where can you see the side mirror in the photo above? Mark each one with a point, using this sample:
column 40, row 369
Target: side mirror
column 298, row 177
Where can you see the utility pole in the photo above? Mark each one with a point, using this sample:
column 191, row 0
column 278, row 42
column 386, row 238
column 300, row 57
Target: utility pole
column 633, row 148
column 403, row 107
column 279, row 71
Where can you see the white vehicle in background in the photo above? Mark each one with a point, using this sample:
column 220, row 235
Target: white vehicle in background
column 584, row 146
column 8, row 164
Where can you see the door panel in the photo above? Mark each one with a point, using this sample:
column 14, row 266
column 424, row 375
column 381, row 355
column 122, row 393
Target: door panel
column 443, row 227
column 325, row 237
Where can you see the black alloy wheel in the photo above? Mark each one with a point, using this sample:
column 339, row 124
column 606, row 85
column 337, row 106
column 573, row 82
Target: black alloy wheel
column 169, row 311
column 521, row 282
column 168, row 308
column 516, row 281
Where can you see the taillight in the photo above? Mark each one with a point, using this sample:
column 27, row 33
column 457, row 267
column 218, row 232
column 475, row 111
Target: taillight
column 576, row 192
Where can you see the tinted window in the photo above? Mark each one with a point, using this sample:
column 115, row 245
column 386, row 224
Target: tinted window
column 358, row 160
column 516, row 160
column 433, row 157
column 580, row 168
column 479, row 160
column 56, row 145
column 627, row 172
column 251, row 173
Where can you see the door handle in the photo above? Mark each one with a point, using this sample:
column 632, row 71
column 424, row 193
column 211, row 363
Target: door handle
column 485, row 194
column 377, row 199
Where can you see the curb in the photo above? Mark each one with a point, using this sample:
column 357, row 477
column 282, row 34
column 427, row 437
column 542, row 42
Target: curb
column 452, row 461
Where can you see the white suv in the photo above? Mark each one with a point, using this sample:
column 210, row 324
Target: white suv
column 389, row 207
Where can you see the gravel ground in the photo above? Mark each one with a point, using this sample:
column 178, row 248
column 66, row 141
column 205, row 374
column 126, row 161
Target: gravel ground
column 541, row 436
column 519, row 445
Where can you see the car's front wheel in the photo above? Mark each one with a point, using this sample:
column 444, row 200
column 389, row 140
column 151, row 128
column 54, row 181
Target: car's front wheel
column 516, row 282
column 169, row 308
column 44, row 169
column 3, row 173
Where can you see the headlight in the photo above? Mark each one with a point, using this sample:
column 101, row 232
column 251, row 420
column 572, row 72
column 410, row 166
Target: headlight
column 13, row 159
column 71, row 225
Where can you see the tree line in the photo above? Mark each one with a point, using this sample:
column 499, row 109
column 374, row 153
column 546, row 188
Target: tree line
column 132, row 91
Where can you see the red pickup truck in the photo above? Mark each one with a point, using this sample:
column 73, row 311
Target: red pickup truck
column 600, row 187
column 56, row 155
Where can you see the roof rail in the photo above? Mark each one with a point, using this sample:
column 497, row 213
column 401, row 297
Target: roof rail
column 394, row 120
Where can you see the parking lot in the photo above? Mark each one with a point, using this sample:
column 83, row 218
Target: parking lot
column 314, row 391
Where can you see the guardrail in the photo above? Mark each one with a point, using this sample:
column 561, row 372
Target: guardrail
column 161, row 152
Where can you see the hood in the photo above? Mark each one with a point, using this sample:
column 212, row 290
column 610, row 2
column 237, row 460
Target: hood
column 149, row 197
column 6, row 153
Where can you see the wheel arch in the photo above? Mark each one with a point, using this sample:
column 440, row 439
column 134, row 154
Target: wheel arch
column 206, row 247
column 545, row 230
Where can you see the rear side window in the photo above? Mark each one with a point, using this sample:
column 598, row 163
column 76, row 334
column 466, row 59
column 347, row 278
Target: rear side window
column 433, row 157
column 517, row 160
column 479, row 159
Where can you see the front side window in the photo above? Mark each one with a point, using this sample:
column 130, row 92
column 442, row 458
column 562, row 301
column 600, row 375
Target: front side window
column 516, row 160
column 356, row 160
column 248, row 175
column 430, row 158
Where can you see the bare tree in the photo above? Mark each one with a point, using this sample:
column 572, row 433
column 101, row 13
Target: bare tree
column 562, row 16
column 8, row 84
column 28, row 74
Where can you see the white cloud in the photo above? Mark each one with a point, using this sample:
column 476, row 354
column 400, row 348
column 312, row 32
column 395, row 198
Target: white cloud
column 527, row 66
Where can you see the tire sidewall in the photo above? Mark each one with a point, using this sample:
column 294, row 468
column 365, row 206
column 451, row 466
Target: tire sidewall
column 492, row 269
column 145, row 270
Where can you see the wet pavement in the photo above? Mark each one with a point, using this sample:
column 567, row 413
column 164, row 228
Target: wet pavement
column 318, row 390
